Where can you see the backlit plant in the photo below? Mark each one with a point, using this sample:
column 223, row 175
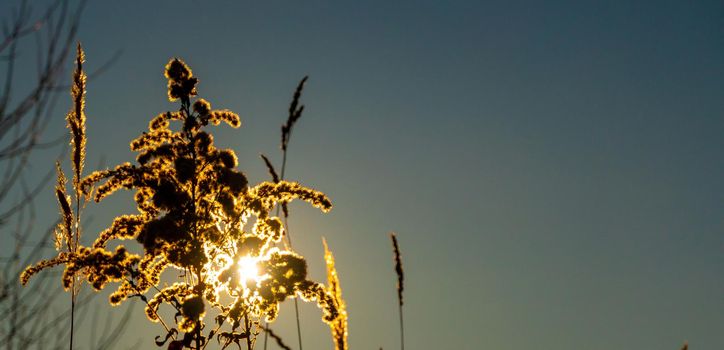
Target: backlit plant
column 196, row 215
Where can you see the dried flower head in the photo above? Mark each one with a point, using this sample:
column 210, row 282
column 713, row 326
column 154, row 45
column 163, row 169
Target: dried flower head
column 181, row 82
column 202, row 107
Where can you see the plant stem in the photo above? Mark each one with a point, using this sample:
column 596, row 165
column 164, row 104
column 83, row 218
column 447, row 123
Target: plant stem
column 299, row 329
column 198, row 335
column 248, row 332
column 76, row 239
column 198, row 322
column 402, row 330
column 72, row 311
column 289, row 239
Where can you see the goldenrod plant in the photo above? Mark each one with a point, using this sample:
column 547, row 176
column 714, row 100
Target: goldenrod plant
column 197, row 215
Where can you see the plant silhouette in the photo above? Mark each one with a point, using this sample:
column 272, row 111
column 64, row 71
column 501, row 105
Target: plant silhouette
column 197, row 215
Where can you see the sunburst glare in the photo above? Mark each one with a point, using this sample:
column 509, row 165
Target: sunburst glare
column 249, row 270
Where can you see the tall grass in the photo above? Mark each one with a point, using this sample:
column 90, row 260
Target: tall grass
column 295, row 112
column 69, row 229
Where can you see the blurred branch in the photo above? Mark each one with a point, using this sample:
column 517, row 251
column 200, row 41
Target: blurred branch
column 39, row 39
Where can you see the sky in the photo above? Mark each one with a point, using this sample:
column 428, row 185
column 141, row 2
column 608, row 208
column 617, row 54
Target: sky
column 553, row 169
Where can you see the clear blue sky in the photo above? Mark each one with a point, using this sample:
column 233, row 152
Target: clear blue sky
column 554, row 169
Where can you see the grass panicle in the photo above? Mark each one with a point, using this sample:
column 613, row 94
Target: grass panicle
column 76, row 118
column 398, row 268
column 339, row 326
column 295, row 112
column 400, row 284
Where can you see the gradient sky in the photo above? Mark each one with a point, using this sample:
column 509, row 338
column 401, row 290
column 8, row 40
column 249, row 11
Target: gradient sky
column 553, row 169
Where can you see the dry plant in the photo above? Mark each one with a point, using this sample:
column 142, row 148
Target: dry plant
column 67, row 234
column 339, row 326
column 400, row 284
column 295, row 112
column 198, row 216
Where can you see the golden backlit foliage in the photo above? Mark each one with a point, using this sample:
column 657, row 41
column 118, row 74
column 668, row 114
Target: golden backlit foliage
column 197, row 215
column 339, row 325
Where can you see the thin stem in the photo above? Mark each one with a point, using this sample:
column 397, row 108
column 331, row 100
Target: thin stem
column 248, row 332
column 402, row 330
column 198, row 335
column 299, row 329
column 198, row 322
column 75, row 243
column 138, row 291
column 185, row 104
column 72, row 311
column 295, row 111
column 289, row 240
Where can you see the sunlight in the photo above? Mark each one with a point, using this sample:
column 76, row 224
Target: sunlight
column 248, row 269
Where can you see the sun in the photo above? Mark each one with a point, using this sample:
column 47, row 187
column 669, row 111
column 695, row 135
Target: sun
column 249, row 270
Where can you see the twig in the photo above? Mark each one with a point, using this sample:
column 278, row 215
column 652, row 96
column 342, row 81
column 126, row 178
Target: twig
column 276, row 337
